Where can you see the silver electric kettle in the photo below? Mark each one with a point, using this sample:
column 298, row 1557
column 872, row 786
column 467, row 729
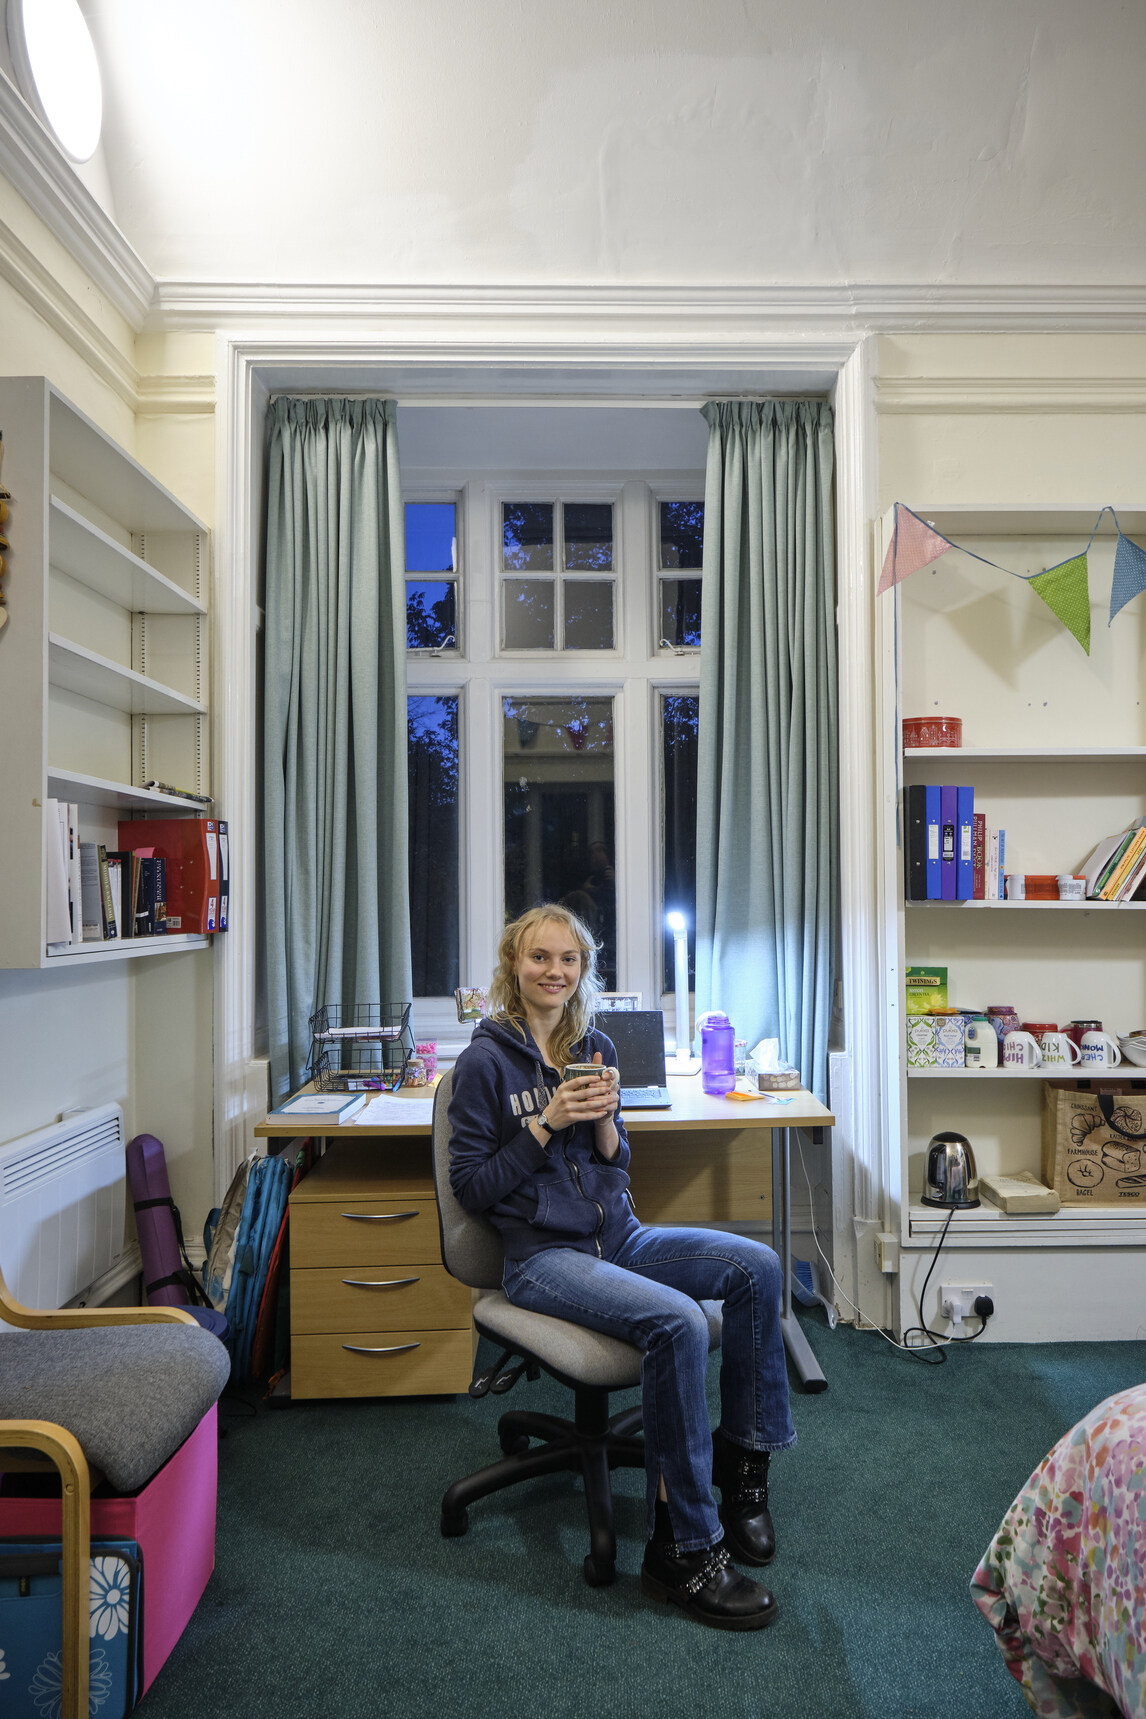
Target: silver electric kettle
column 951, row 1179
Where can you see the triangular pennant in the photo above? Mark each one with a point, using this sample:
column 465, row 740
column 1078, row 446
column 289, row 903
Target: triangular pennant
column 1065, row 591
column 913, row 544
column 1129, row 574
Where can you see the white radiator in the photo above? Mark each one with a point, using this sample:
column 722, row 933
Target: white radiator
column 62, row 1206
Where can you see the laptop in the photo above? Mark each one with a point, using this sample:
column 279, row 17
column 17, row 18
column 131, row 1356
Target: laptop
column 639, row 1035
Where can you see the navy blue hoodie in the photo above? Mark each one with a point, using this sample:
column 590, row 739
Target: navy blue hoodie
column 562, row 1194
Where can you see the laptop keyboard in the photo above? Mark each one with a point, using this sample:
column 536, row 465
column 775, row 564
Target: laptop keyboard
column 635, row 1096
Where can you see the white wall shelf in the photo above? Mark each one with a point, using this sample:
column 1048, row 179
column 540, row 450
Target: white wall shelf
column 88, row 675
column 1027, row 754
column 95, row 791
column 103, row 661
column 121, row 949
column 1070, row 1226
column 89, row 555
column 1124, row 1071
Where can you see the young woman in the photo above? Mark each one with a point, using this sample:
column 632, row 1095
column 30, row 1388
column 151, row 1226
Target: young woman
column 545, row 1161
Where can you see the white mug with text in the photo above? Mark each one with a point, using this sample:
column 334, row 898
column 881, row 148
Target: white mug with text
column 1021, row 1050
column 1099, row 1050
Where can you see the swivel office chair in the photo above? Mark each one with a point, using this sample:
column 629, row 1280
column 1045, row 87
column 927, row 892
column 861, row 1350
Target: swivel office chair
column 588, row 1362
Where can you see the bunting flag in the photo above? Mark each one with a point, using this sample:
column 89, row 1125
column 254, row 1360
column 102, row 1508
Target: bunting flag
column 1129, row 574
column 913, row 544
column 1065, row 591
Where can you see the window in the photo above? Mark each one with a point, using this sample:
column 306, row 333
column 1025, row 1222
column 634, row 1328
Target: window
column 541, row 612
column 680, row 542
column 431, row 547
column 552, row 728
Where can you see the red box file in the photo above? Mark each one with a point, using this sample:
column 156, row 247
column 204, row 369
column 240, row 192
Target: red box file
column 191, row 848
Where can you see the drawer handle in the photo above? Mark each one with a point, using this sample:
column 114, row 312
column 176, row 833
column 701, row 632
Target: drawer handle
column 394, row 1349
column 379, row 1217
column 379, row 1283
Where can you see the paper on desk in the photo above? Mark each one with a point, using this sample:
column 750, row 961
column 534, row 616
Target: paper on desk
column 389, row 1108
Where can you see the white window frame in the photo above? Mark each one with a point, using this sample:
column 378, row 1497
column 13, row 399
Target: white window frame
column 635, row 674
column 659, row 492
column 559, row 489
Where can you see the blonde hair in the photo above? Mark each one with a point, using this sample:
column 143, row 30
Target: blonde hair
column 505, row 1000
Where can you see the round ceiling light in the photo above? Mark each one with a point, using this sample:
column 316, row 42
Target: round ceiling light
column 56, row 64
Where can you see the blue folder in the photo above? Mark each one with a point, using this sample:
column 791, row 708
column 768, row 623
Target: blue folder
column 964, row 852
column 934, row 847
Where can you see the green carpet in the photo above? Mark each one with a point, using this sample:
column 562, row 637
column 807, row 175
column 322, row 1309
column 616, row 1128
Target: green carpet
column 335, row 1597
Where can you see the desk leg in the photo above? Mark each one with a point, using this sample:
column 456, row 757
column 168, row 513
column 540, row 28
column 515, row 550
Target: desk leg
column 805, row 1363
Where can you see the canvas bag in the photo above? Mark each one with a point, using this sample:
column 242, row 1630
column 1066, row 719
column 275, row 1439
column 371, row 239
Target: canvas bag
column 31, row 1628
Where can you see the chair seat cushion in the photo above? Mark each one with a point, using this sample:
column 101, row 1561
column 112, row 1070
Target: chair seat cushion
column 587, row 1357
column 130, row 1394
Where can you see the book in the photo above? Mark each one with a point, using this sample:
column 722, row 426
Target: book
column 964, row 863
column 107, row 906
column 1000, row 886
column 979, row 858
column 1112, row 864
column 1133, row 883
column 915, row 843
column 1132, row 853
column 58, row 917
column 949, row 828
column 121, row 873
column 75, row 887
column 991, row 881
column 934, row 846
column 1097, row 861
column 91, row 905
column 322, row 1108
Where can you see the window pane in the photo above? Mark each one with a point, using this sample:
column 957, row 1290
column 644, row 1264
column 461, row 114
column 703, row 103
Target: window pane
column 527, row 535
column 528, row 614
column 431, row 537
column 431, row 614
column 682, row 533
column 680, row 612
column 679, row 718
column 588, row 614
column 588, row 535
column 559, row 815
column 432, row 777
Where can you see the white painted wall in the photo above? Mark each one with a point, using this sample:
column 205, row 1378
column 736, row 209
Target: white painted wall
column 659, row 141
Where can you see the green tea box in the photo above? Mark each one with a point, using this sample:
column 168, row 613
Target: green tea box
column 926, row 989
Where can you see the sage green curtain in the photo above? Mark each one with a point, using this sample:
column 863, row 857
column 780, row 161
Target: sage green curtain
column 767, row 800
column 334, row 720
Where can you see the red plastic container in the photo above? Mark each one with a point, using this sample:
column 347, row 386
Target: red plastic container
column 172, row 1518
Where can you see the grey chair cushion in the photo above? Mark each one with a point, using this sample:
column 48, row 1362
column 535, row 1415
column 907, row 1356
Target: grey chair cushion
column 588, row 1357
column 130, row 1394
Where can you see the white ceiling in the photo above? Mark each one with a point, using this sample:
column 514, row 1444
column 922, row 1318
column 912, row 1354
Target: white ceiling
column 636, row 141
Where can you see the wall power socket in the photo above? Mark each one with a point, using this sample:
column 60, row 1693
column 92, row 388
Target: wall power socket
column 957, row 1301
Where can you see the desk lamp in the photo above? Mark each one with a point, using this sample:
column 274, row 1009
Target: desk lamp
column 684, row 1062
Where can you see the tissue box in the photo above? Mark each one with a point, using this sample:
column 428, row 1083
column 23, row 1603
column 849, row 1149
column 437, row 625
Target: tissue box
column 781, row 1079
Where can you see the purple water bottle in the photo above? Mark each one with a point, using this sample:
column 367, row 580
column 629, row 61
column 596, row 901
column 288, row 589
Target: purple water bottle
column 717, row 1053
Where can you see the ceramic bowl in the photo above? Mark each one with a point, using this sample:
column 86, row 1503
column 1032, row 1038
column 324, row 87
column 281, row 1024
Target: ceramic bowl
column 1134, row 1050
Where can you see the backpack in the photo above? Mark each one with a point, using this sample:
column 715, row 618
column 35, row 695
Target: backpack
column 219, row 1233
column 239, row 1256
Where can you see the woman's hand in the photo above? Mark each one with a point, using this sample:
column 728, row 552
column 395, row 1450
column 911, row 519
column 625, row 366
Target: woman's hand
column 589, row 1098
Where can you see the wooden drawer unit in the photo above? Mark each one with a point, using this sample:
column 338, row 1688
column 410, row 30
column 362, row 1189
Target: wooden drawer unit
column 374, row 1313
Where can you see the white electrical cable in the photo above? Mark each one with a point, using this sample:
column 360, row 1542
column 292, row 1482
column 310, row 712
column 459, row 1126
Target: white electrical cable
column 907, row 1348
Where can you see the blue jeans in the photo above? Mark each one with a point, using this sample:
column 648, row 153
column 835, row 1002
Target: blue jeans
column 647, row 1294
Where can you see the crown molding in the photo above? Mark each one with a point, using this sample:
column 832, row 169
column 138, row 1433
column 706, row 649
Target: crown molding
column 44, row 295
column 853, row 309
column 157, row 395
column 32, row 161
column 1022, row 394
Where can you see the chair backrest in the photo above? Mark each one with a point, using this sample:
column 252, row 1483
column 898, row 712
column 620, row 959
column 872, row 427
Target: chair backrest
column 471, row 1247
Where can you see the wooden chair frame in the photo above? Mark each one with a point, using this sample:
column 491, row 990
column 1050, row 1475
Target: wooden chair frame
column 62, row 1452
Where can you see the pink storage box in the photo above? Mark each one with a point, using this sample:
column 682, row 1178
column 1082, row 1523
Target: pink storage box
column 172, row 1518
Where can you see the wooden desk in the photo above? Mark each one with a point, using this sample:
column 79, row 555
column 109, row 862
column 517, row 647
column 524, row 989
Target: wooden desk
column 698, row 1162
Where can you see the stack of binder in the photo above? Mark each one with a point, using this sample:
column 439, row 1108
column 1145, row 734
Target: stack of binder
column 949, row 854
column 195, row 854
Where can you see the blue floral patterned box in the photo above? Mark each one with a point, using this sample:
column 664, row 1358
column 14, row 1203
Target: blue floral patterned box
column 31, row 1631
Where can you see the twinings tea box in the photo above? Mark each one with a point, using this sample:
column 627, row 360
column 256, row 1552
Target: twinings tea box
column 926, row 990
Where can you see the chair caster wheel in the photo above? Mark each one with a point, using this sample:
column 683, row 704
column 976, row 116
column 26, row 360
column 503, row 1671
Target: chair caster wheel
column 599, row 1575
column 454, row 1523
column 514, row 1444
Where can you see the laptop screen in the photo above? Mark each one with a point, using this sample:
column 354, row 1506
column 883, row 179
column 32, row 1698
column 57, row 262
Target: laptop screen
column 639, row 1035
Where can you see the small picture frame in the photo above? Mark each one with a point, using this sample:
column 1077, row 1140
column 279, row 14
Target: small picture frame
column 613, row 1000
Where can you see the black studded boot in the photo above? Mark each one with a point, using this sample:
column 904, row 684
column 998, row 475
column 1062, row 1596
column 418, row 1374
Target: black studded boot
column 703, row 1584
column 742, row 1476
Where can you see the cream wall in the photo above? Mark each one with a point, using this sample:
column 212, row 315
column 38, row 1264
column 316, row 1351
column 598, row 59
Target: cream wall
column 137, row 1033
